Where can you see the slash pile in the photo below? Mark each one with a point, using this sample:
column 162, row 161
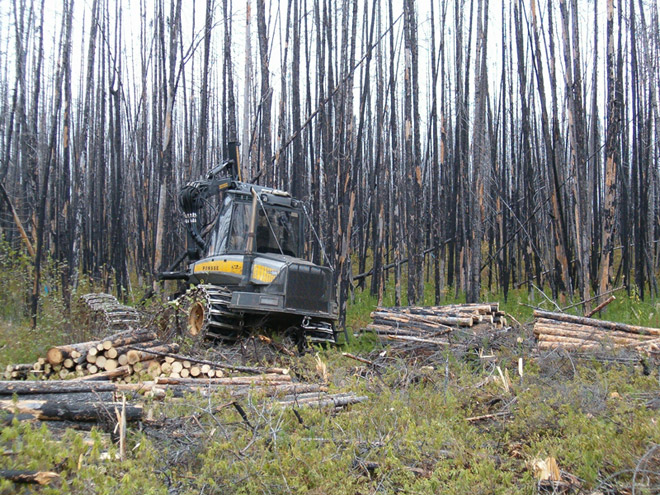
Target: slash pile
column 571, row 332
column 435, row 324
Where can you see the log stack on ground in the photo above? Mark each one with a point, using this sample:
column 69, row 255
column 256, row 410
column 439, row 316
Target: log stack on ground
column 102, row 314
column 434, row 325
column 560, row 330
column 80, row 382
column 90, row 401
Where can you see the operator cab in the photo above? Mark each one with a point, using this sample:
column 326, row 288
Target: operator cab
column 278, row 228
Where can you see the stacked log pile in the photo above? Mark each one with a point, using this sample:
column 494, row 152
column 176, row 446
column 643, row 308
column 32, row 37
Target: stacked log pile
column 115, row 356
column 120, row 356
column 580, row 333
column 80, row 382
column 435, row 324
column 103, row 313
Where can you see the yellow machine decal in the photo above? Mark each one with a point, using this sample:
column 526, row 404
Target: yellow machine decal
column 263, row 273
column 225, row 266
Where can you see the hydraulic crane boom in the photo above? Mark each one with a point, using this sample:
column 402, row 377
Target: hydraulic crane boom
column 195, row 193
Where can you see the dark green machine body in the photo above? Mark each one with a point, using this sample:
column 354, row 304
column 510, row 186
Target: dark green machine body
column 250, row 268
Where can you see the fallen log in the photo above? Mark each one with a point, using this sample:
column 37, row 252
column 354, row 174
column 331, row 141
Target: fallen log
column 135, row 356
column 600, row 306
column 393, row 330
column 69, row 410
column 408, row 318
column 331, row 401
column 53, row 387
column 57, row 354
column 569, row 346
column 584, row 332
column 107, row 375
column 94, row 396
column 404, row 338
column 36, row 477
column 482, row 308
column 214, row 364
column 608, row 325
column 569, row 340
column 232, row 380
column 271, row 390
column 428, row 318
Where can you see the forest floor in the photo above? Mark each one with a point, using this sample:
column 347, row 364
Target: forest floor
column 455, row 420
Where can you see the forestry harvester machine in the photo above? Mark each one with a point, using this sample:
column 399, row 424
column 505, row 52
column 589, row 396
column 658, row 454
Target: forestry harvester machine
column 248, row 263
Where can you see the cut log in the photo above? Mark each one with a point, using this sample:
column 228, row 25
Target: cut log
column 100, row 361
column 133, row 337
column 36, row 477
column 107, row 375
column 584, row 333
column 69, row 410
column 392, row 330
column 417, row 339
column 94, row 396
column 56, row 355
column 242, row 369
column 154, row 369
column 8, row 388
column 411, row 326
column 135, row 356
column 234, row 380
column 338, row 400
column 110, row 365
column 583, row 346
column 20, row 367
column 600, row 306
column 428, row 320
column 609, row 325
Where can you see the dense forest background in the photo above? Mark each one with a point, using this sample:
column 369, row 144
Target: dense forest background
column 476, row 144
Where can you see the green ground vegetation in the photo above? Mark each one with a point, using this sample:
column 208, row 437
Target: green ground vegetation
column 417, row 433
